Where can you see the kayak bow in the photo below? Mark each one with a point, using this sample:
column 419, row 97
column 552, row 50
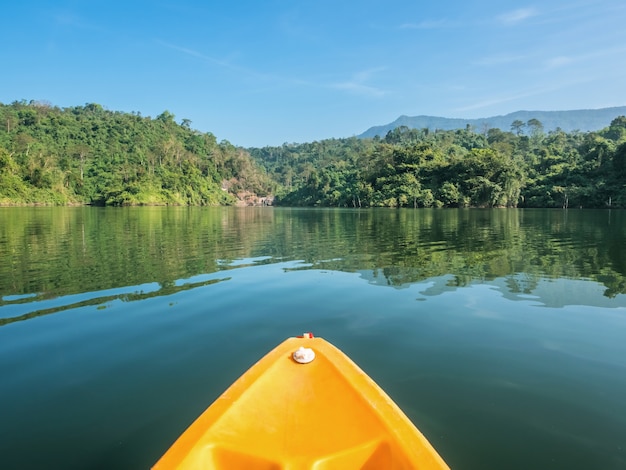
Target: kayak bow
column 305, row 405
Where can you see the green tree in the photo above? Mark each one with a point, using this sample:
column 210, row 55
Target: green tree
column 517, row 127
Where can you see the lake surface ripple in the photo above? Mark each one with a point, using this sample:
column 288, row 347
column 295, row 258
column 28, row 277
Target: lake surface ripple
column 501, row 333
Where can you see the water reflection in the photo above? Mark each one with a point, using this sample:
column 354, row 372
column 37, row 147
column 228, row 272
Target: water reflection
column 545, row 292
column 490, row 328
column 14, row 311
column 49, row 253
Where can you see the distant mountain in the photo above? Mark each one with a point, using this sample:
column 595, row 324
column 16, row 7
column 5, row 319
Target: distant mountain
column 581, row 119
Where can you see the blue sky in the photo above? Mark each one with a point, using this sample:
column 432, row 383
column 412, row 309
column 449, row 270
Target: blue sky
column 267, row 72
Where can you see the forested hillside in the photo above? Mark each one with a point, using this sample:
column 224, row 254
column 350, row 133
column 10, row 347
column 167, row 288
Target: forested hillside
column 88, row 155
column 523, row 167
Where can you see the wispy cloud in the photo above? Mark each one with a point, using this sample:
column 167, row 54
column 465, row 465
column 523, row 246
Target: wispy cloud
column 614, row 55
column 239, row 70
column 206, row 58
column 67, row 19
column 360, row 89
column 427, row 24
column 556, row 62
column 499, row 59
column 358, row 84
column 485, row 103
column 523, row 94
column 517, row 16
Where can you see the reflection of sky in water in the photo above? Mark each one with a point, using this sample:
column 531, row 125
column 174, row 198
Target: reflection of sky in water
column 563, row 292
column 487, row 371
column 539, row 291
column 17, row 305
column 502, row 335
column 549, row 292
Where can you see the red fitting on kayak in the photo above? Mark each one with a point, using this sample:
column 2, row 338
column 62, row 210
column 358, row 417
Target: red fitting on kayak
column 308, row 335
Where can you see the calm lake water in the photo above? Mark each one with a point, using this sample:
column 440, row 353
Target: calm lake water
column 501, row 333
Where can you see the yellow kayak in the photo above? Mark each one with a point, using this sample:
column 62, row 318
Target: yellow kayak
column 305, row 405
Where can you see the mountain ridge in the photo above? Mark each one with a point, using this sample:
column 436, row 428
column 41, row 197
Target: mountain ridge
column 583, row 120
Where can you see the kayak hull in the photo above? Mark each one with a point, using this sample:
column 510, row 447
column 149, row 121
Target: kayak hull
column 283, row 415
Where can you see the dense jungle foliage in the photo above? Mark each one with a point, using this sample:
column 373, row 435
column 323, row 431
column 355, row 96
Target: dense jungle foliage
column 523, row 167
column 89, row 155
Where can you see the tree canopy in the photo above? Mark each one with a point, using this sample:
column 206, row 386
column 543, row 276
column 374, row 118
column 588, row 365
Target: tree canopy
column 86, row 154
column 89, row 155
column 461, row 168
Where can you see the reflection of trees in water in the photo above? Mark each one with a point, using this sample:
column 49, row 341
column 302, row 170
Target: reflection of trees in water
column 408, row 246
column 62, row 251
column 521, row 284
column 101, row 302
